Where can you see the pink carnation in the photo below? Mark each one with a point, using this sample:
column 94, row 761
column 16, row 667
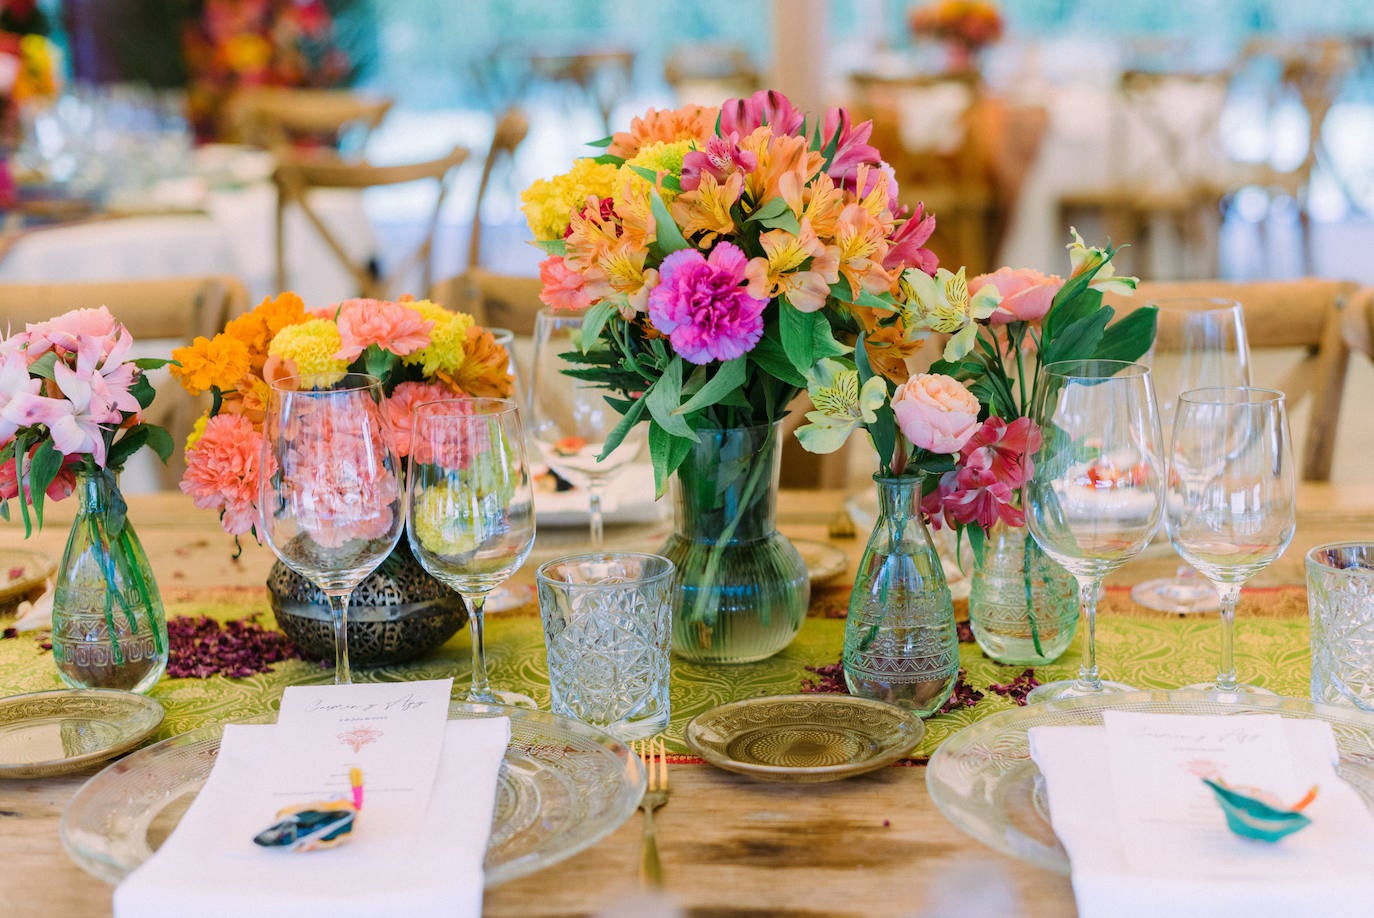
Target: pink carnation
column 1026, row 293
column 223, row 470
column 700, row 305
column 338, row 486
column 391, row 326
column 935, row 412
column 563, row 288
column 400, row 409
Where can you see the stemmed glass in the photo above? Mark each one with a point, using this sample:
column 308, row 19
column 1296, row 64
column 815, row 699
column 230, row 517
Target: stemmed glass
column 1231, row 497
column 570, row 418
column 471, row 508
column 1199, row 343
column 330, row 491
column 1093, row 500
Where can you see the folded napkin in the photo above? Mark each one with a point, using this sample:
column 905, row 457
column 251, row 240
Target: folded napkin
column 1142, row 848
column 210, row 866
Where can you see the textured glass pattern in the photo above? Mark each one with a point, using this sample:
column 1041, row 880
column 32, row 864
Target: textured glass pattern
column 1023, row 607
column 1340, row 598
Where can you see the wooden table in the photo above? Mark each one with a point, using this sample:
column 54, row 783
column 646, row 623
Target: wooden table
column 872, row 845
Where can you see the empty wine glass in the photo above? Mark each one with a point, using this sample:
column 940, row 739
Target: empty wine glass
column 1231, row 503
column 1199, row 343
column 570, row 418
column 330, row 491
column 506, row 597
column 471, row 508
column 1093, row 500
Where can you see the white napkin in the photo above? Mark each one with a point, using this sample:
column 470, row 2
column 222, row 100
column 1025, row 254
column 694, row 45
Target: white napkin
column 1324, row 869
column 210, row 866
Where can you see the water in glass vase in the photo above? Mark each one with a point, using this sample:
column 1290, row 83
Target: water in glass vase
column 1023, row 607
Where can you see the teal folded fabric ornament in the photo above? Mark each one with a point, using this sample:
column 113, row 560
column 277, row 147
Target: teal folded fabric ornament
column 309, row 829
column 1258, row 815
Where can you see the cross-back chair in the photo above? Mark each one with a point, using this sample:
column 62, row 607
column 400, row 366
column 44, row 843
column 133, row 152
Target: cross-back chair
column 280, row 118
column 171, row 310
column 510, row 131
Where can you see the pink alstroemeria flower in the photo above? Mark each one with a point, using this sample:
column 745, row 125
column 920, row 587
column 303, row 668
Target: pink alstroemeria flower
column 767, row 106
column 852, row 148
column 16, row 388
column 62, row 333
column 907, row 249
column 722, row 157
column 994, row 463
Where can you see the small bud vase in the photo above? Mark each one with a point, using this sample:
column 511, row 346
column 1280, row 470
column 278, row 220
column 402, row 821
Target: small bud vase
column 900, row 642
column 108, row 626
column 1022, row 606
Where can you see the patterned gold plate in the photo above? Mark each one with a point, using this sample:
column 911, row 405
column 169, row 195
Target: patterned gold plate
column 52, row 733
column 804, row 738
column 823, row 561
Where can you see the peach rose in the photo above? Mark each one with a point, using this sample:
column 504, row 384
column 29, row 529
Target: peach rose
column 1026, row 293
column 935, row 412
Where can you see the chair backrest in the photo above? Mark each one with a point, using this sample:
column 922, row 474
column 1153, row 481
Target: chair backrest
column 1166, row 133
column 1310, row 315
column 279, row 118
column 175, row 310
column 510, row 131
column 707, row 72
column 500, row 300
column 296, row 177
column 602, row 75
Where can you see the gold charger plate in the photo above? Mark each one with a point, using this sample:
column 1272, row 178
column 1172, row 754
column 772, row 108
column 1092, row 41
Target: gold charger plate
column 52, row 733
column 823, row 561
column 804, row 738
column 23, row 576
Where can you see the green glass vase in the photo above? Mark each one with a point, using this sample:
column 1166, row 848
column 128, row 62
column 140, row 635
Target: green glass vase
column 109, row 629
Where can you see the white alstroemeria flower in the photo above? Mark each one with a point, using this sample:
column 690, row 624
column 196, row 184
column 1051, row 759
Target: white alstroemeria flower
column 1083, row 257
column 942, row 303
column 842, row 405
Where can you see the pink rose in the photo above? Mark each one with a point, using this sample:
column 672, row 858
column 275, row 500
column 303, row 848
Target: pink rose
column 1026, row 293
column 935, row 412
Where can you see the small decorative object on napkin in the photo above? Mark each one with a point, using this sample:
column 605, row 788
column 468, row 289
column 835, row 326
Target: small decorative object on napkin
column 1252, row 813
column 317, row 825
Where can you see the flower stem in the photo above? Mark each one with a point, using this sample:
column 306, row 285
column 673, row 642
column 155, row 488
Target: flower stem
column 1027, row 563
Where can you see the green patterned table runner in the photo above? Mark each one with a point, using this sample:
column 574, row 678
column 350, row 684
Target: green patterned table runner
column 1149, row 650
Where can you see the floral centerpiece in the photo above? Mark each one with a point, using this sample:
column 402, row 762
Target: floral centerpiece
column 30, row 74
column 954, row 447
column 965, row 26
column 420, row 351
column 720, row 254
column 71, row 403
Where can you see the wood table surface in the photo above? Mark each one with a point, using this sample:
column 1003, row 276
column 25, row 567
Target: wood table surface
column 872, row 845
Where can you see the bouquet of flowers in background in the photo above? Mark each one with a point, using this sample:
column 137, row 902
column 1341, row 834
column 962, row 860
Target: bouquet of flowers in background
column 970, row 24
column 965, row 427
column 420, row 350
column 721, row 254
column 70, row 399
column 30, row 73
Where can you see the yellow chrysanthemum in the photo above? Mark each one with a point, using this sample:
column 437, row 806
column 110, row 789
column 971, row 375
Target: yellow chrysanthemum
column 447, row 340
column 661, row 159
column 197, row 431
column 439, row 529
column 550, row 204
column 311, row 346
column 218, row 362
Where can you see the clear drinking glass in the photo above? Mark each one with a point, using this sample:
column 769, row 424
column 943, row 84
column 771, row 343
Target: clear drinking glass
column 570, row 418
column 471, row 508
column 1231, row 504
column 1094, row 498
column 1199, row 342
column 331, row 490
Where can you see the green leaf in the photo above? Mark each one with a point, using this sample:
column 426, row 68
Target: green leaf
column 664, row 396
column 607, row 159
column 667, row 453
column 729, row 377
column 603, row 143
column 551, row 246
column 161, row 443
column 771, row 208
column 1080, row 339
column 143, row 391
column 133, row 440
column 1074, row 301
column 669, row 237
column 784, row 221
column 1130, row 338
column 593, row 323
column 618, row 433
column 884, row 429
column 21, row 448
column 376, row 362
column 43, row 468
column 806, row 337
column 882, row 302
column 769, row 356
column 43, row 365
column 151, row 363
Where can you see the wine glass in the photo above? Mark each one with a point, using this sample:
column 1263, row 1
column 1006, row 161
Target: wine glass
column 471, row 508
column 331, row 493
column 1231, row 504
column 1199, row 343
column 570, row 418
column 1093, row 499
column 506, row 597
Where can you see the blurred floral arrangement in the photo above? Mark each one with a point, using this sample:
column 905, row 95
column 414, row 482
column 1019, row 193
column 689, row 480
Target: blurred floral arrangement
column 70, row 399
column 971, row 24
column 723, row 253
column 965, row 426
column 237, row 43
column 420, row 350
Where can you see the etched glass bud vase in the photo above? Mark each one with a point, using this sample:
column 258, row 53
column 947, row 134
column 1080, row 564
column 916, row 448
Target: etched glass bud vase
column 900, row 643
column 108, row 626
column 1022, row 606
column 741, row 589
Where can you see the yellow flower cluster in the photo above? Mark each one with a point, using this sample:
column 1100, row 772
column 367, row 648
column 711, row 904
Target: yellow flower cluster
column 662, row 159
column 550, row 203
column 311, row 346
column 447, row 340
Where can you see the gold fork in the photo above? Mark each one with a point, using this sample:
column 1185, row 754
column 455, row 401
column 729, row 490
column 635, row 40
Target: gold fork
column 655, row 760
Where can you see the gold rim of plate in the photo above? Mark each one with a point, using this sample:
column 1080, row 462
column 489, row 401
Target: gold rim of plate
column 823, row 561
column 804, row 738
column 37, row 568
column 89, row 726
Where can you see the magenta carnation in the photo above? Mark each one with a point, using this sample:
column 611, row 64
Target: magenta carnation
column 700, row 305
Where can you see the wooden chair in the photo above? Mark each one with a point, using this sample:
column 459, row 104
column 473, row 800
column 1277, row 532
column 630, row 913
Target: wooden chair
column 281, row 119
column 602, row 75
column 297, row 177
column 173, row 310
column 706, row 73
column 510, row 131
column 499, row 300
column 1315, row 316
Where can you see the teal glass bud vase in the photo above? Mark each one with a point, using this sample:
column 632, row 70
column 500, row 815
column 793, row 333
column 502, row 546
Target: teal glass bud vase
column 900, row 642
column 1023, row 607
column 108, row 626
column 741, row 590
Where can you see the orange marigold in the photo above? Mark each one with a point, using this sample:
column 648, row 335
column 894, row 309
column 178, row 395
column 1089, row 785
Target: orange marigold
column 691, row 122
column 484, row 372
column 256, row 329
column 218, row 362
